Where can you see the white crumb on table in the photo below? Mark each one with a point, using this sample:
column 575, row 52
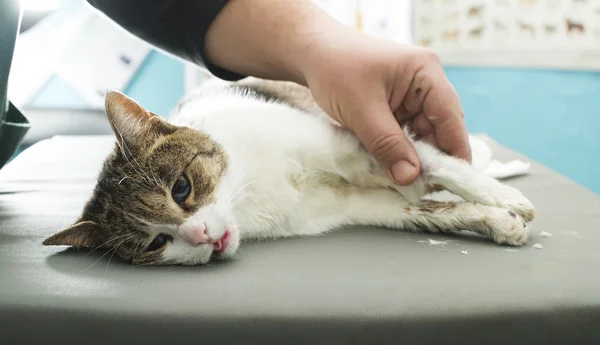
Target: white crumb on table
column 573, row 233
column 511, row 250
column 464, row 252
column 545, row 234
column 538, row 246
column 435, row 242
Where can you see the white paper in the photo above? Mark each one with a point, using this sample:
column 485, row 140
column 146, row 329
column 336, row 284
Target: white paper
column 483, row 161
column 104, row 57
column 500, row 170
column 39, row 51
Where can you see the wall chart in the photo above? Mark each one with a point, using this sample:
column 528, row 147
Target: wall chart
column 526, row 33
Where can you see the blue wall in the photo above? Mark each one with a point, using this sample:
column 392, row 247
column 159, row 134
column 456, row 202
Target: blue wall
column 158, row 84
column 551, row 116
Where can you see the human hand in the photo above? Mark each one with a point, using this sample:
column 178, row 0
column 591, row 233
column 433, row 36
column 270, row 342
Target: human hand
column 367, row 84
column 372, row 86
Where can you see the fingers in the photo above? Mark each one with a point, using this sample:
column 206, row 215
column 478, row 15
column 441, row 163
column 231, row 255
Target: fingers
column 421, row 125
column 381, row 134
column 431, row 94
column 418, row 90
column 442, row 108
column 432, row 109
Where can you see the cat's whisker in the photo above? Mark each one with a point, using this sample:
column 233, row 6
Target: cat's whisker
column 150, row 180
column 125, row 177
column 154, row 178
column 212, row 264
column 127, row 158
column 295, row 162
column 114, row 250
column 241, row 177
column 123, row 147
column 139, row 219
column 240, row 200
column 239, row 190
column 146, row 179
column 101, row 245
column 95, row 262
column 136, row 251
column 238, row 180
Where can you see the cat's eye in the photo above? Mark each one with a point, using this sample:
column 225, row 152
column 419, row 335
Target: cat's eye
column 158, row 242
column 181, row 190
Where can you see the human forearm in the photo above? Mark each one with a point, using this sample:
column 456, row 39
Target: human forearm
column 271, row 39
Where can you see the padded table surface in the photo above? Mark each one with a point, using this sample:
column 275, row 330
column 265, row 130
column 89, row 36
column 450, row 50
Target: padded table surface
column 360, row 285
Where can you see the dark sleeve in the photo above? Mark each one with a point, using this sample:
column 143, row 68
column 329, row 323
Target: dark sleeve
column 175, row 26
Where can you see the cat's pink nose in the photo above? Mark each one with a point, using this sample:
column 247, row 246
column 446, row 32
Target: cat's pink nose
column 198, row 235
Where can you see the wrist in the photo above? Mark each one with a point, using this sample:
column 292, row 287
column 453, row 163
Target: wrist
column 310, row 41
column 329, row 45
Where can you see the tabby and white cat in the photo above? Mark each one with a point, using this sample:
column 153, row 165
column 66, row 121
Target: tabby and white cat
column 257, row 159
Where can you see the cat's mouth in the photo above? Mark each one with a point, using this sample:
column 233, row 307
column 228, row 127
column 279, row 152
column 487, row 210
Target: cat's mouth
column 221, row 244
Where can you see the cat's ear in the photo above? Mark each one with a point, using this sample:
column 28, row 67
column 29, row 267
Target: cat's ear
column 83, row 234
column 130, row 121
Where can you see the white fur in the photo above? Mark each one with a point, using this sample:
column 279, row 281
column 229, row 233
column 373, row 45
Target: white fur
column 292, row 173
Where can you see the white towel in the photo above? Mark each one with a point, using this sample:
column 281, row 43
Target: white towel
column 483, row 161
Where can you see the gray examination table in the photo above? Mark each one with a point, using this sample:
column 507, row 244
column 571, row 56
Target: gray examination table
column 361, row 285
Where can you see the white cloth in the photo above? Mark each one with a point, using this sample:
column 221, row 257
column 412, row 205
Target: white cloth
column 483, row 161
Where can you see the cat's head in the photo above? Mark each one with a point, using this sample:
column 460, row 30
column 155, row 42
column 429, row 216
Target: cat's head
column 162, row 196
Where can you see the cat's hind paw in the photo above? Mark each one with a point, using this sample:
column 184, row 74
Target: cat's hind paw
column 507, row 227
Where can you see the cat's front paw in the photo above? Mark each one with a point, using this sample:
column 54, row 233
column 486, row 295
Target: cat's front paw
column 513, row 200
column 507, row 227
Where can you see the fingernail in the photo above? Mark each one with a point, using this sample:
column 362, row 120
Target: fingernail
column 402, row 171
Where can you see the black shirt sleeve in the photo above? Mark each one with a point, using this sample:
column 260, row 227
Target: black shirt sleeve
column 175, row 26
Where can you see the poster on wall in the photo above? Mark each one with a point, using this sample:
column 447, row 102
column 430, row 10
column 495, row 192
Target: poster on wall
column 561, row 34
column 388, row 19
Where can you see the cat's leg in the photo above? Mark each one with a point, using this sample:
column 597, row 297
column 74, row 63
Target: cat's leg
column 499, row 224
column 440, row 171
column 383, row 207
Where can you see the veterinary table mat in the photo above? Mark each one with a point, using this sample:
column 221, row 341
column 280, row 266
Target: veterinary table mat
column 359, row 285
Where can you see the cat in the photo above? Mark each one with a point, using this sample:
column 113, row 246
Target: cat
column 258, row 159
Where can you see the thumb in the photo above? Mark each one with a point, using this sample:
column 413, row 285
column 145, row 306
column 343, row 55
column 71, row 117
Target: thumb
column 378, row 130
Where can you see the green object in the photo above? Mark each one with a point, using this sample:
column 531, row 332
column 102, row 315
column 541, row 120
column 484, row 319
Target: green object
column 13, row 124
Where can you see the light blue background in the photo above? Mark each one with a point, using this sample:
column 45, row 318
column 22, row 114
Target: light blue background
column 552, row 117
column 157, row 84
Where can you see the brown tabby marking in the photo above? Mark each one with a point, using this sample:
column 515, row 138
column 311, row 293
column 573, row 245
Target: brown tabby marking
column 134, row 185
column 432, row 188
column 430, row 206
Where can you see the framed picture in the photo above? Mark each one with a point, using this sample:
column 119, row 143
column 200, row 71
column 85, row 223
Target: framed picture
column 519, row 33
